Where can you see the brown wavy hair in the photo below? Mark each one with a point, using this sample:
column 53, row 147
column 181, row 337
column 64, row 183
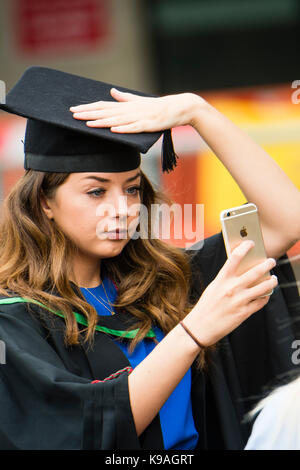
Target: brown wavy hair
column 153, row 277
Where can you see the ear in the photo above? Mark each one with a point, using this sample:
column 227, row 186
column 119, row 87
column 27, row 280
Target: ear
column 45, row 205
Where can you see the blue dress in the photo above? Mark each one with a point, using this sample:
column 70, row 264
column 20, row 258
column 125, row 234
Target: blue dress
column 176, row 417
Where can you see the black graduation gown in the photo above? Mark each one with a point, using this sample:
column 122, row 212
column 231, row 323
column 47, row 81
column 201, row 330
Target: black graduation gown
column 48, row 401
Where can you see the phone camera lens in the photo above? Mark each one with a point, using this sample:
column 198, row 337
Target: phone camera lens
column 228, row 214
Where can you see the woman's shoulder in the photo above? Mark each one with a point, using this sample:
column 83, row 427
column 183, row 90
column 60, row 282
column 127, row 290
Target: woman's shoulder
column 18, row 310
column 10, row 300
column 208, row 249
column 207, row 256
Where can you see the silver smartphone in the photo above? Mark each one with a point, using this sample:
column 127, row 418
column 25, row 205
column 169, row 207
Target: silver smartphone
column 239, row 224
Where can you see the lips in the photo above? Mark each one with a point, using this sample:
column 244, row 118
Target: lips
column 118, row 234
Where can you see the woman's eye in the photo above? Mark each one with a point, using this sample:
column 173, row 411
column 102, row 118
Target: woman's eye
column 96, row 192
column 134, row 190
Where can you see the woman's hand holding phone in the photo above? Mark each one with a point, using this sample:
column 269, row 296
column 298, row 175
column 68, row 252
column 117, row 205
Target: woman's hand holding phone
column 229, row 299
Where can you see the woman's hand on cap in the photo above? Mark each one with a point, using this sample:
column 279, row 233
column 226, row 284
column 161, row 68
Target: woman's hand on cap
column 132, row 113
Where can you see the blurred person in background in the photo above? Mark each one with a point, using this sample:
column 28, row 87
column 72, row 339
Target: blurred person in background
column 277, row 426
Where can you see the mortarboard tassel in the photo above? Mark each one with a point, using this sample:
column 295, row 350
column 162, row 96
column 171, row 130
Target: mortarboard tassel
column 168, row 155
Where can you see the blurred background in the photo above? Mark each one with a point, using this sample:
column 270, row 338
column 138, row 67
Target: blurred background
column 240, row 55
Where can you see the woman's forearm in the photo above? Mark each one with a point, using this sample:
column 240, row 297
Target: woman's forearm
column 259, row 177
column 155, row 378
column 225, row 303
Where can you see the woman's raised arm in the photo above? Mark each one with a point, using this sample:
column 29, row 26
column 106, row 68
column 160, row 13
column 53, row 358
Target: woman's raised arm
column 259, row 177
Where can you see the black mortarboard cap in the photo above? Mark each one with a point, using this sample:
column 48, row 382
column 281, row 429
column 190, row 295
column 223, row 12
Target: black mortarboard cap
column 56, row 142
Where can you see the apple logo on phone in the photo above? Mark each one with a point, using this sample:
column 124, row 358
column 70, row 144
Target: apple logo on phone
column 243, row 232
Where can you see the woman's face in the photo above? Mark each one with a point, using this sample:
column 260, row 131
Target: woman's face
column 89, row 205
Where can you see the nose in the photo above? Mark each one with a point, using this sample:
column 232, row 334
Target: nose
column 121, row 205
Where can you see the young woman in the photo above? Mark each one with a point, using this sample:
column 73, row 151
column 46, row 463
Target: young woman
column 104, row 333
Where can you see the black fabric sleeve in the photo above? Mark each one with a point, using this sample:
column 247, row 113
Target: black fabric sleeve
column 44, row 406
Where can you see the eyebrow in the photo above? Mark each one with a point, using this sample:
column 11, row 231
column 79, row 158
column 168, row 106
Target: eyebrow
column 105, row 180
